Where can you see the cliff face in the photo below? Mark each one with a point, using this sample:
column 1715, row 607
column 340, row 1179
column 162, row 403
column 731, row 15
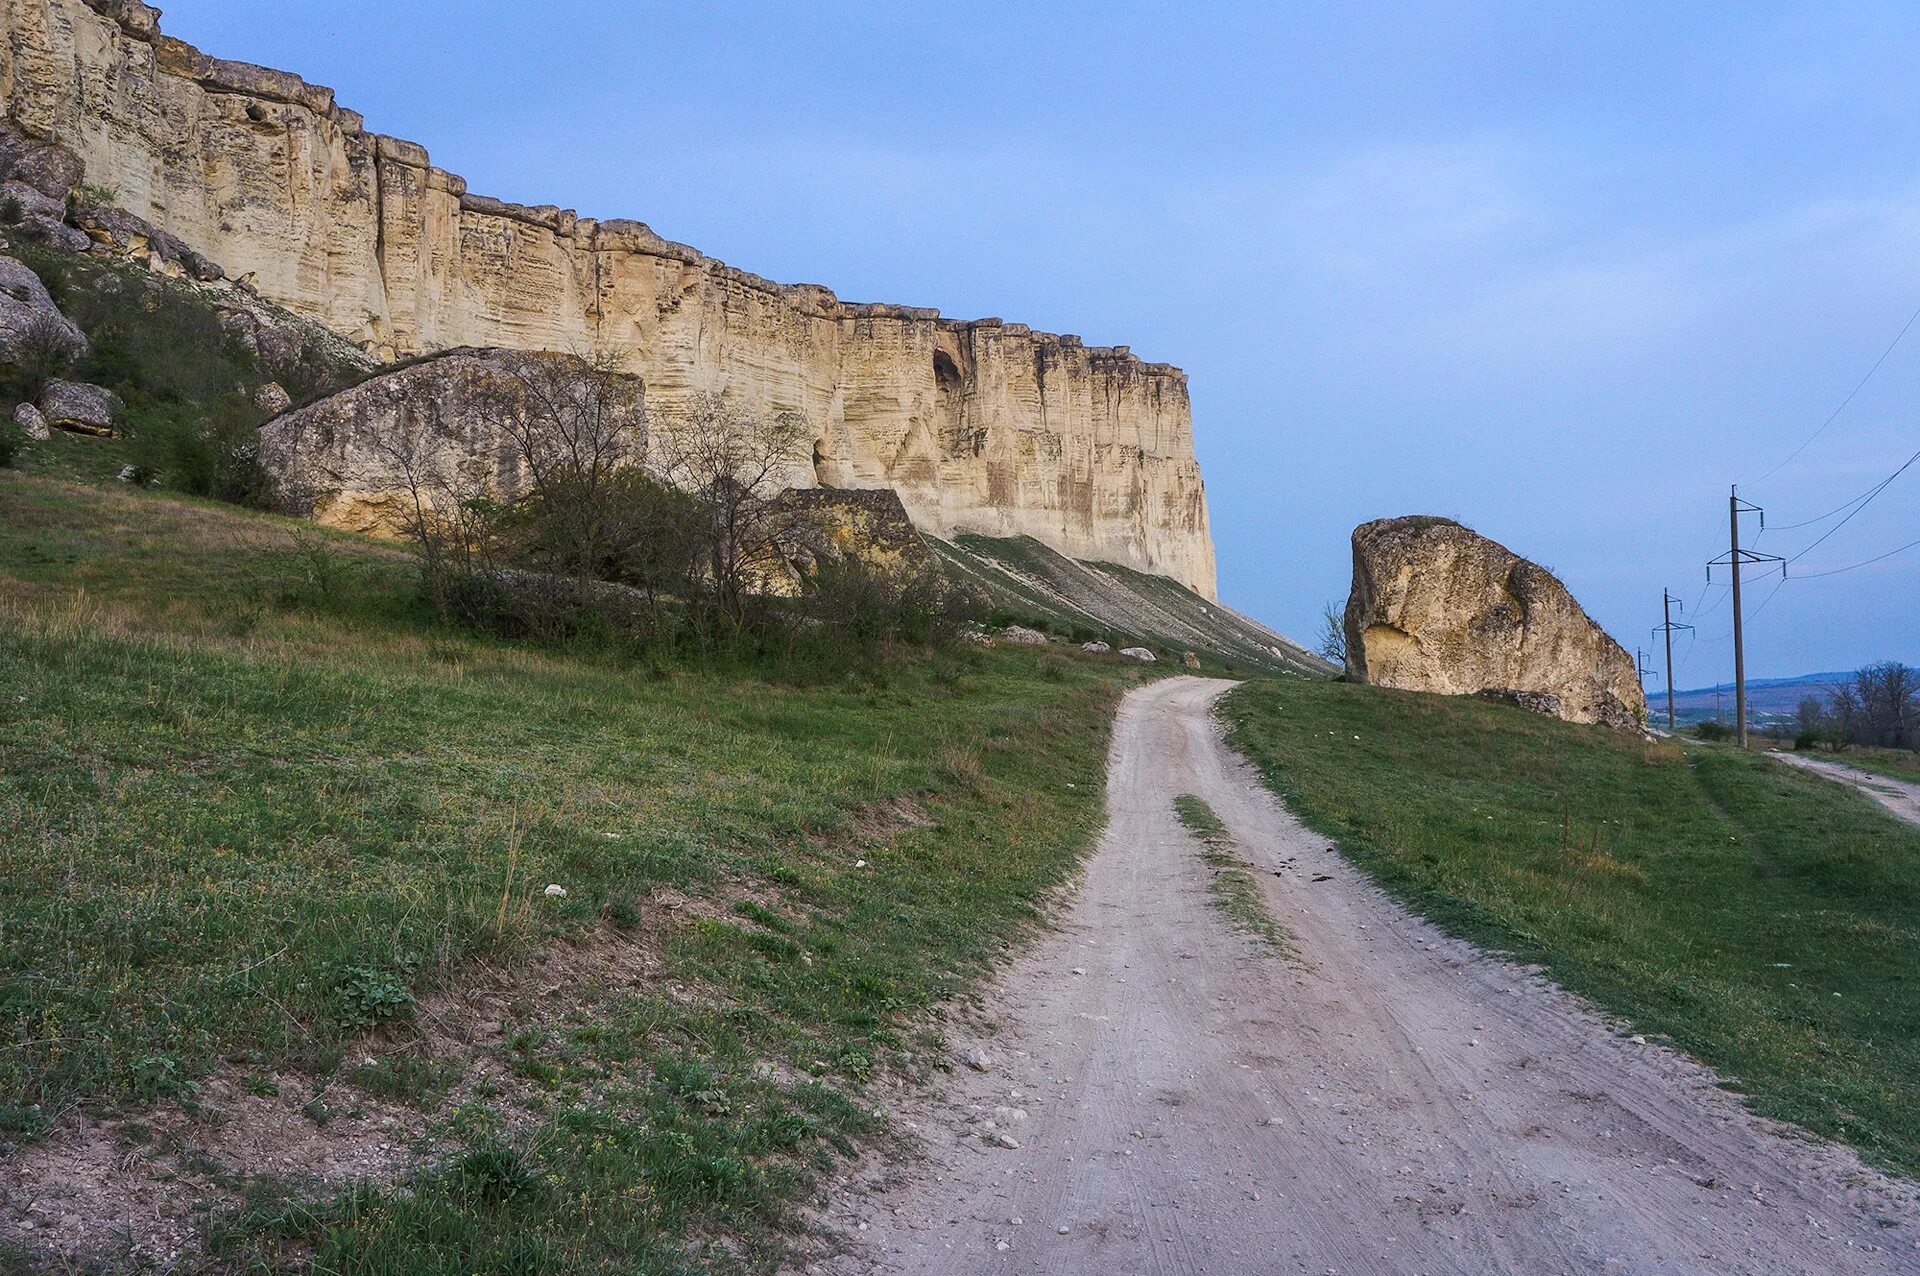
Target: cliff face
column 980, row 426
column 1439, row 607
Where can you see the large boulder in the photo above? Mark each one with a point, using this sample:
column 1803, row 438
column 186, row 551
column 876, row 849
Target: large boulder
column 79, row 407
column 868, row 526
column 441, row 430
column 1438, row 607
column 31, row 202
column 28, row 317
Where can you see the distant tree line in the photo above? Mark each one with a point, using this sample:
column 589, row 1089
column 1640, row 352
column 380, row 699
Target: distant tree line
column 1881, row 707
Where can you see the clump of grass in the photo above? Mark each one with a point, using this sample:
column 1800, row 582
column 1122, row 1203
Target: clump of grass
column 1765, row 921
column 1232, row 886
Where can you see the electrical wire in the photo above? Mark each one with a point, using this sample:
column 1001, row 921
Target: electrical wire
column 1757, row 610
column 1884, row 354
column 1855, row 566
column 1866, row 501
column 1791, row 527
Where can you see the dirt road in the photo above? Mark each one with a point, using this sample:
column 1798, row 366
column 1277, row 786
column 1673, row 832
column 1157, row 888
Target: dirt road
column 1183, row 1101
column 1898, row 796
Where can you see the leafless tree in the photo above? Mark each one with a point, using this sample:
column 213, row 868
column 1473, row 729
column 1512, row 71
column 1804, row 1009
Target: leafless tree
column 576, row 423
column 1889, row 697
column 733, row 465
column 1333, row 635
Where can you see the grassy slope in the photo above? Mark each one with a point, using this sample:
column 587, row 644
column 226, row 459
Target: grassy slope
column 255, row 800
column 1766, row 921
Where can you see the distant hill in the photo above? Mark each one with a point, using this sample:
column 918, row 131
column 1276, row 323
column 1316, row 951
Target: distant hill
column 1768, row 698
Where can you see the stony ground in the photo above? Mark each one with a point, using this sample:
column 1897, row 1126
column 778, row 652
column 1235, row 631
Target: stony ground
column 1158, row 1093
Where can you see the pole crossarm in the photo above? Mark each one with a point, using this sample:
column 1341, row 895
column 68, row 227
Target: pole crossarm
column 1744, row 558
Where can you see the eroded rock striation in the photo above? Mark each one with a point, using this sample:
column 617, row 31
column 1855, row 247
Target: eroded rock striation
column 1438, row 607
column 980, row 426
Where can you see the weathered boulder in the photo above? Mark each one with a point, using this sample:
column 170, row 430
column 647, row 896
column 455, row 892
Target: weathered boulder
column 1438, row 607
column 29, row 419
column 1096, row 648
column 1020, row 635
column 52, row 170
column 836, row 525
column 79, row 407
column 31, row 202
column 1141, row 654
column 440, row 429
column 28, row 317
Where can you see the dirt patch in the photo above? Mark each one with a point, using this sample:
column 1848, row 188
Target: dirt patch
column 142, row 1187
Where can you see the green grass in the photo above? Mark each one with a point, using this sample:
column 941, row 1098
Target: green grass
column 1231, row 884
column 1766, row 921
column 258, row 805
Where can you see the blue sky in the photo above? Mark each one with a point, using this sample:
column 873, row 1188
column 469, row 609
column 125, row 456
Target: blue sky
column 1563, row 272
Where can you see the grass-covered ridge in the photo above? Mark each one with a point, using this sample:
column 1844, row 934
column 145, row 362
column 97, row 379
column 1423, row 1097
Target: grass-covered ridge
column 1768, row 922
column 258, row 805
column 1230, row 882
column 1029, row 583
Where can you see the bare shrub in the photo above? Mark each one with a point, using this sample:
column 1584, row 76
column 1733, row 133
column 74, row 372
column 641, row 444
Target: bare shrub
column 733, row 465
column 43, row 348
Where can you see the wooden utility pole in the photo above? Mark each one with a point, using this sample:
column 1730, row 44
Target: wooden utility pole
column 1735, row 557
column 1739, row 637
column 1667, row 600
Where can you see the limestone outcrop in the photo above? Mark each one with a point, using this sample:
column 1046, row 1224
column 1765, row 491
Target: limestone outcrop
column 980, row 426
column 438, row 430
column 1438, row 607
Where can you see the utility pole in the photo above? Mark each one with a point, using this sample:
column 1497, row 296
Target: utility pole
column 1667, row 600
column 1735, row 557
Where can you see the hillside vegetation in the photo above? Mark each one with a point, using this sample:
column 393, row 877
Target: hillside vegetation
column 622, row 950
column 1766, row 921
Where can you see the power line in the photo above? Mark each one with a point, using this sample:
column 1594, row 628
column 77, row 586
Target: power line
column 1791, row 527
column 1713, row 606
column 1853, row 566
column 1868, row 500
column 1898, row 338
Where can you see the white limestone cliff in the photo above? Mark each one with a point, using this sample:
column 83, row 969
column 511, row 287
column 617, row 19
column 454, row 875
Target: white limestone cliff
column 980, row 426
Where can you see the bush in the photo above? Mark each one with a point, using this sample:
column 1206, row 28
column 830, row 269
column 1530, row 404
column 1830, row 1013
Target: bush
column 1711, row 730
column 13, row 440
column 1806, row 740
column 11, row 211
column 868, row 609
